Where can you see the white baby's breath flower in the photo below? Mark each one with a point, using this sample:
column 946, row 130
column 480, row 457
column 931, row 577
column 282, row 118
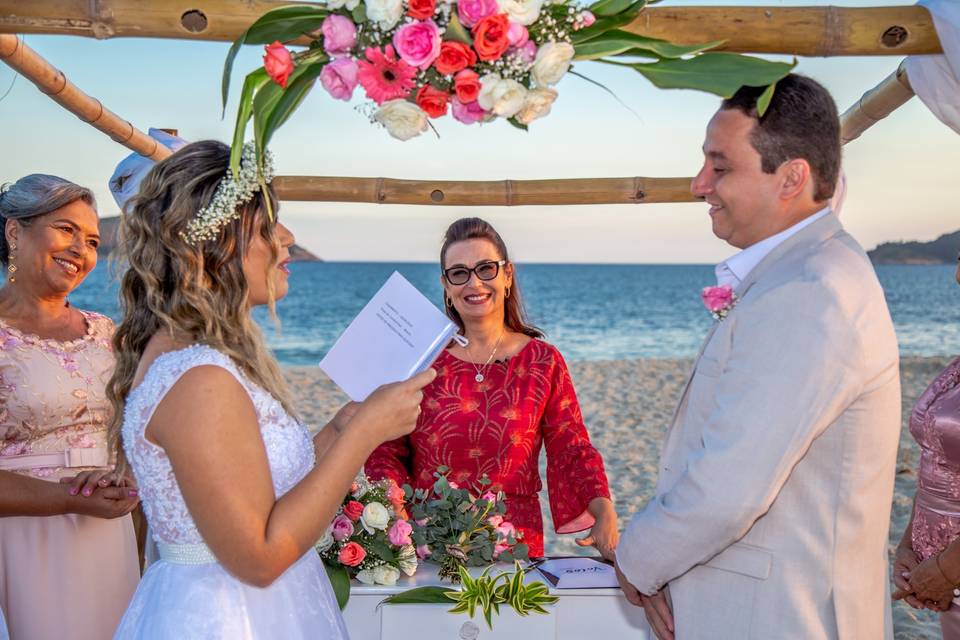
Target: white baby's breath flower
column 537, row 105
column 501, row 96
column 375, row 516
column 523, row 12
column 386, row 13
column 552, row 63
column 386, row 575
column 403, row 120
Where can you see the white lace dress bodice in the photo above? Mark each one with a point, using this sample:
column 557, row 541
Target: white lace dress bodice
column 200, row 599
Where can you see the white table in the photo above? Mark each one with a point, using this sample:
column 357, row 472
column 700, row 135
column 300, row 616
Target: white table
column 594, row 614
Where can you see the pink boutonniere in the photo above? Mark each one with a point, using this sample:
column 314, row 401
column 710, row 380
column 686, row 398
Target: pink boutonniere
column 719, row 300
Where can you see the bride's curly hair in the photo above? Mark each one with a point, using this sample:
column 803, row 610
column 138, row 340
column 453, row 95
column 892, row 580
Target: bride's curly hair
column 195, row 292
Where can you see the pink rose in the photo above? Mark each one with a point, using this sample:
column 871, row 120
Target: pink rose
column 352, row 554
column 527, row 52
column 453, row 485
column 505, row 530
column 499, row 548
column 495, row 520
column 339, row 34
column 489, row 496
column 342, row 528
column 399, row 533
column 471, row 12
column 517, row 35
column 588, row 18
column 717, row 298
column 418, row 43
column 395, row 494
column 423, row 551
column 339, row 78
column 468, row 113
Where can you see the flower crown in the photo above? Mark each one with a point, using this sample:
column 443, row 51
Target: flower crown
column 233, row 191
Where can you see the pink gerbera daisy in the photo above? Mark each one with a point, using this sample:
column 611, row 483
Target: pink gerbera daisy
column 385, row 77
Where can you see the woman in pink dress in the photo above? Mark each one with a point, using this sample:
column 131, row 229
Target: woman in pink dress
column 68, row 555
column 926, row 568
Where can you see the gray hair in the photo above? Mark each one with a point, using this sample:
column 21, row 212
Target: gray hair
column 35, row 195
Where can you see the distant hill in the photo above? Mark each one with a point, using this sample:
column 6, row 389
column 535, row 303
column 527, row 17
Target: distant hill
column 110, row 226
column 943, row 250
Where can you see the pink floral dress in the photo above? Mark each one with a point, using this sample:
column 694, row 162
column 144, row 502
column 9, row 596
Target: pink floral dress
column 52, row 401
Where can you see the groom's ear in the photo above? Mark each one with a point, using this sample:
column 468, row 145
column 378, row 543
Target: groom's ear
column 796, row 178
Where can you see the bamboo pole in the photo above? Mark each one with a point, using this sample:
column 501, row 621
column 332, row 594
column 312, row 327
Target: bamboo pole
column 876, row 104
column 54, row 83
column 808, row 31
column 497, row 193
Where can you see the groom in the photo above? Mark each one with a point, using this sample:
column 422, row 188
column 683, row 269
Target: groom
column 773, row 501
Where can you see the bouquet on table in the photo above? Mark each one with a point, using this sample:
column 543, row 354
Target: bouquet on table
column 455, row 528
column 369, row 539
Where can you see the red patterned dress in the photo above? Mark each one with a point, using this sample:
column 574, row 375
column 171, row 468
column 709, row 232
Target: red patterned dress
column 496, row 427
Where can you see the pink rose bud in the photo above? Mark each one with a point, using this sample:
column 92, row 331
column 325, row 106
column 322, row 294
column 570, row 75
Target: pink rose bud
column 588, row 18
column 471, row 12
column 278, row 63
column 423, row 551
column 489, row 496
column 453, row 485
column 495, row 521
column 527, row 53
column 339, row 34
column 717, row 298
column 339, row 78
column 517, row 35
column 399, row 533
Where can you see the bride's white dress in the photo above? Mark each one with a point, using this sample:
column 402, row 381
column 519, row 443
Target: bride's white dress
column 187, row 593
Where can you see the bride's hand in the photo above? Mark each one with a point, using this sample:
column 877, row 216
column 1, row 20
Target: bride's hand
column 604, row 534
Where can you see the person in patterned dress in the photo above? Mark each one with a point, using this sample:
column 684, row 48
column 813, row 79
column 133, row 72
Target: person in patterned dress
column 496, row 402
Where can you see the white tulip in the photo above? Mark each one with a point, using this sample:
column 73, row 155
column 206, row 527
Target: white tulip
column 523, row 12
column 374, row 516
column 385, row 12
column 386, row 575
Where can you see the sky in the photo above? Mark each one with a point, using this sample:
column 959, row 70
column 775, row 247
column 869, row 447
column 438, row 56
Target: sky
column 901, row 173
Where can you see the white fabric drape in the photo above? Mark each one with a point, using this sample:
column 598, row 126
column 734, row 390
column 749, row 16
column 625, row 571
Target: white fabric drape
column 936, row 79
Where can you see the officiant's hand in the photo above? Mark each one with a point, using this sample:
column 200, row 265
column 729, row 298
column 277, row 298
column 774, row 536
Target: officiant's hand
column 604, row 534
column 343, row 416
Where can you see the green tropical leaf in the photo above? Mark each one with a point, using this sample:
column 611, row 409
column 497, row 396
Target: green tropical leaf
column 251, row 84
column 456, row 31
column 359, row 13
column 421, row 595
column 604, row 8
column 273, row 104
column 617, row 42
column 718, row 73
column 340, row 581
column 283, row 24
column 603, row 25
column 763, row 102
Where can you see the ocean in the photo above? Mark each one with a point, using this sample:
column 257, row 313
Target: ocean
column 589, row 311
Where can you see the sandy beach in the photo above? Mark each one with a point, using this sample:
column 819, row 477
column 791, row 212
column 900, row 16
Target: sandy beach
column 627, row 405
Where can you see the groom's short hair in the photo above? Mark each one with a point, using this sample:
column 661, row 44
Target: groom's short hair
column 800, row 122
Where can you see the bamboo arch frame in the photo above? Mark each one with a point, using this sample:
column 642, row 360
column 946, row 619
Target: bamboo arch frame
column 819, row 31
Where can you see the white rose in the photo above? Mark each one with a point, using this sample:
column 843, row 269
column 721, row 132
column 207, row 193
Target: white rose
column 385, row 12
column 407, row 559
column 501, row 97
column 366, row 576
column 403, row 120
column 326, row 541
column 537, row 105
column 552, row 63
column 374, row 516
column 339, row 4
column 386, row 575
column 523, row 12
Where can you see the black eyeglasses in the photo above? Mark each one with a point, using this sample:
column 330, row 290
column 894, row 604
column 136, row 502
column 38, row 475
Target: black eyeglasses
column 484, row 270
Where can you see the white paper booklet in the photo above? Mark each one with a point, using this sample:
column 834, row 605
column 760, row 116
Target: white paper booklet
column 578, row 573
column 398, row 333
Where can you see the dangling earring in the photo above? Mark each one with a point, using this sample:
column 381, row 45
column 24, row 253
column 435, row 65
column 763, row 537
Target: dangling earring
column 11, row 268
column 448, row 300
column 506, row 294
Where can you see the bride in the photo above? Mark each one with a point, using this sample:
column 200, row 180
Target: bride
column 234, row 490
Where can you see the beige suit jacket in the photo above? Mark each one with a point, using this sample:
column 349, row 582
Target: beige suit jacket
column 772, row 508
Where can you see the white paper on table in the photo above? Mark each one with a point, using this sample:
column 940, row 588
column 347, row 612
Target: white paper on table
column 580, row 573
column 397, row 334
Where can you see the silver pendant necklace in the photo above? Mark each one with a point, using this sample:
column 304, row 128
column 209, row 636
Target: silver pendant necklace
column 479, row 377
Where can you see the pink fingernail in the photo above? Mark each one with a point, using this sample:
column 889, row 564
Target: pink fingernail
column 87, row 492
column 73, row 491
column 133, row 493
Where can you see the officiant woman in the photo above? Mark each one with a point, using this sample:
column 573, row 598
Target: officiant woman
column 495, row 402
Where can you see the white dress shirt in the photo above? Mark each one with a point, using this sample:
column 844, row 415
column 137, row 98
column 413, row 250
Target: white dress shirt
column 734, row 269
